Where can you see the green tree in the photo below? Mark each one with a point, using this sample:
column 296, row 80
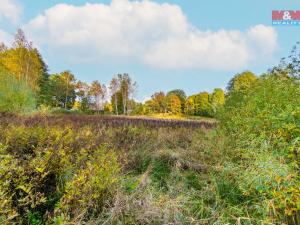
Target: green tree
column 217, row 99
column 202, row 104
column 114, row 88
column 241, row 81
column 117, row 103
column 62, row 88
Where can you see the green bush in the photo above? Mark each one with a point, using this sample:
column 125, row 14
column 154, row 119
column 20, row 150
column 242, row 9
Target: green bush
column 47, row 170
column 15, row 96
column 263, row 127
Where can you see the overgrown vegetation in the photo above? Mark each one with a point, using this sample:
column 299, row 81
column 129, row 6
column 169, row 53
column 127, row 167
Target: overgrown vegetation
column 80, row 169
column 15, row 96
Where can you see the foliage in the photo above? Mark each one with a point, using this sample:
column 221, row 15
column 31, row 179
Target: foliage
column 14, row 96
column 47, row 170
column 262, row 123
column 116, row 101
column 173, row 104
column 217, row 99
column 98, row 92
column 122, row 88
column 241, row 81
column 290, row 66
column 181, row 95
column 88, row 192
column 24, row 62
column 157, row 103
column 79, row 170
column 62, row 88
column 202, row 104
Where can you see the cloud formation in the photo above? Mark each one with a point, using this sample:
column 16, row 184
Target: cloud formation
column 158, row 35
column 10, row 10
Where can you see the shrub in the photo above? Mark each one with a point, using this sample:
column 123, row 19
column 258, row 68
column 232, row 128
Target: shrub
column 90, row 189
column 262, row 123
column 15, row 96
column 43, row 166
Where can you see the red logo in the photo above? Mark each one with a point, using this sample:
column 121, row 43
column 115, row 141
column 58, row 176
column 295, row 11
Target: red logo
column 286, row 15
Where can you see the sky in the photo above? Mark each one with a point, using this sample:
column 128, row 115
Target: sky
column 188, row 44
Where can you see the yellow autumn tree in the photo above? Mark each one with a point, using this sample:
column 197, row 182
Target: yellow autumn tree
column 24, row 62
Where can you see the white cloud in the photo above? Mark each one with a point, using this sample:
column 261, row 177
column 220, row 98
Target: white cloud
column 146, row 32
column 10, row 10
column 5, row 37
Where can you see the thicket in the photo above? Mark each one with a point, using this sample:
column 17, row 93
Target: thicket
column 262, row 124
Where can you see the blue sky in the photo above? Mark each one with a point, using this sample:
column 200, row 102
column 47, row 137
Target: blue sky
column 89, row 40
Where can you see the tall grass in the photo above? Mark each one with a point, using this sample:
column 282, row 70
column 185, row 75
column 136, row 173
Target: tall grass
column 15, row 96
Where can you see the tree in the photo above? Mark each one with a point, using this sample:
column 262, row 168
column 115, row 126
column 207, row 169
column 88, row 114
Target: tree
column 138, row 109
column 190, row 105
column 117, row 103
column 217, row 99
column 158, row 103
column 289, row 66
column 114, row 88
column 173, row 104
column 98, row 92
column 122, row 85
column 69, row 84
column 62, row 88
column 82, row 93
column 202, row 104
column 127, row 88
column 181, row 95
column 241, row 81
column 103, row 96
column 108, row 108
column 24, row 62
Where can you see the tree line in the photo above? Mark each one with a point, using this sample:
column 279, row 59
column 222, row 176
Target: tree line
column 26, row 82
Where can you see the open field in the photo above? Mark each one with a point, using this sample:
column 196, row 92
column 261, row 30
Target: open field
column 179, row 117
column 151, row 171
column 113, row 121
